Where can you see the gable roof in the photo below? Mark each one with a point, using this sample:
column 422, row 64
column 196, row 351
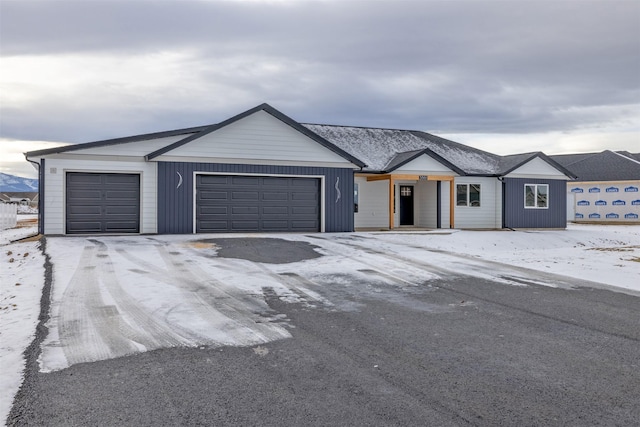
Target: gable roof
column 512, row 162
column 115, row 141
column 270, row 110
column 604, row 166
column 402, row 159
column 632, row 156
column 198, row 132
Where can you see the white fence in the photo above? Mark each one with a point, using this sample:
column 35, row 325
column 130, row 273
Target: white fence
column 8, row 215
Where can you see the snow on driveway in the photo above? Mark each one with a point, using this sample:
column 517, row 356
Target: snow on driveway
column 114, row 296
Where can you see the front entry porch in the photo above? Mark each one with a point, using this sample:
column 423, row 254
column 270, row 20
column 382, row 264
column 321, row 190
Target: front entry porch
column 391, row 201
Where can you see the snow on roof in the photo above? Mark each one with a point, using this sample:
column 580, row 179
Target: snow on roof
column 378, row 147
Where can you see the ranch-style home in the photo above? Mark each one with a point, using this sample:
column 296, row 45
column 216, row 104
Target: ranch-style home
column 261, row 171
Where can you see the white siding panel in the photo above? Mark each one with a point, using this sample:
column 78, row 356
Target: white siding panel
column 373, row 210
column 537, row 168
column 55, row 170
column 427, row 203
column 425, row 165
column 135, row 149
column 445, row 205
column 258, row 136
column 484, row 216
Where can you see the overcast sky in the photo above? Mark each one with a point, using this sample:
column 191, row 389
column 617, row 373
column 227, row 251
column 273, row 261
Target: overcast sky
column 504, row 76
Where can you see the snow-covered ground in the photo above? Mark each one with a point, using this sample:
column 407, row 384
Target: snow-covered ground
column 21, row 282
column 161, row 291
column 608, row 254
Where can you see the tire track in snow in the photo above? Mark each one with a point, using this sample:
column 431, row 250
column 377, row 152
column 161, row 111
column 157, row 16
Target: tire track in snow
column 210, row 298
column 147, row 330
column 237, row 315
column 85, row 322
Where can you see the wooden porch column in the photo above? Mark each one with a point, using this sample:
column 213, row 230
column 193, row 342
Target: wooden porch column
column 391, row 199
column 452, row 199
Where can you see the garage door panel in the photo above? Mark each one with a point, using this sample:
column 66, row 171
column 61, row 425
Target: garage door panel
column 84, row 227
column 102, row 203
column 304, row 210
column 121, row 195
column 281, row 195
column 275, row 210
column 244, row 195
column 213, row 195
column 245, row 180
column 214, row 226
column 240, row 225
column 281, row 225
column 87, row 194
column 213, row 180
column 298, row 195
column 84, row 178
column 258, row 204
column 302, row 225
column 213, row 210
column 119, row 210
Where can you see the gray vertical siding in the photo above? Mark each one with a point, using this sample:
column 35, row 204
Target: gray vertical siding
column 175, row 204
column 516, row 216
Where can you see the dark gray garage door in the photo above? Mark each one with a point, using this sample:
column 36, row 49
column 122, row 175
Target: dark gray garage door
column 256, row 203
column 102, row 203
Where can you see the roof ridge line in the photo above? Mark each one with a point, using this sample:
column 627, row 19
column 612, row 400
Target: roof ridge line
column 359, row 127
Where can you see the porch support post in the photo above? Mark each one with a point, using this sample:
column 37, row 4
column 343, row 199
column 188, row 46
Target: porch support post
column 391, row 200
column 452, row 198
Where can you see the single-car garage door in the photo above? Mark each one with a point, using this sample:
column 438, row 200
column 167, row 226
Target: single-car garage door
column 228, row 203
column 102, row 203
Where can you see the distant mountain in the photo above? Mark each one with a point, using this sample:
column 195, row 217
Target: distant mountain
column 12, row 183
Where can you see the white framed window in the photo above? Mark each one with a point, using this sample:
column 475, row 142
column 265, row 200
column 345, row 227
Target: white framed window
column 536, row 196
column 468, row 195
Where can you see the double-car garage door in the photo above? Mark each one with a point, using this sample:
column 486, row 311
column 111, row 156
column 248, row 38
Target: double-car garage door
column 230, row 203
column 110, row 203
column 102, row 203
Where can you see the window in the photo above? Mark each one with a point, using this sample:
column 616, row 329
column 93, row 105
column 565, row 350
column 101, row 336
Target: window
column 536, row 196
column 468, row 195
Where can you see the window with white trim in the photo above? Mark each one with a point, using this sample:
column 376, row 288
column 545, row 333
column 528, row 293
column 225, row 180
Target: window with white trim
column 468, row 195
column 536, row 196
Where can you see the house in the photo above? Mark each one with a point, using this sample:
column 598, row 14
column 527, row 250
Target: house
column 263, row 171
column 25, row 198
column 606, row 188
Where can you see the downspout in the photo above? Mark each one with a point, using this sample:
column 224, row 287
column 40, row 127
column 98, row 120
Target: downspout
column 504, row 205
column 40, row 168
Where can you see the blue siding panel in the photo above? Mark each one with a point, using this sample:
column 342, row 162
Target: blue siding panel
column 176, row 202
column 515, row 214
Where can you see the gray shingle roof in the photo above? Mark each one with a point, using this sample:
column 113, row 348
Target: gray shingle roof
column 379, row 148
column 604, row 166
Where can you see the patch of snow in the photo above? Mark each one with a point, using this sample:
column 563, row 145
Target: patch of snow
column 608, row 254
column 21, row 282
column 12, row 234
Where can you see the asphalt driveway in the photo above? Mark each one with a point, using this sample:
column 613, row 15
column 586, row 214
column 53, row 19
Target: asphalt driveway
column 322, row 330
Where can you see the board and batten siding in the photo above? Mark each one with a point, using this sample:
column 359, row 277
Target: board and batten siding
column 176, row 199
column 489, row 213
column 517, row 216
column 259, row 139
column 54, row 181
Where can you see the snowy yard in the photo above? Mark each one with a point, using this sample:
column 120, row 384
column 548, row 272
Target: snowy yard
column 114, row 296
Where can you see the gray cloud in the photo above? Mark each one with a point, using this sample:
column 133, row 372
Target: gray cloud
column 451, row 67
